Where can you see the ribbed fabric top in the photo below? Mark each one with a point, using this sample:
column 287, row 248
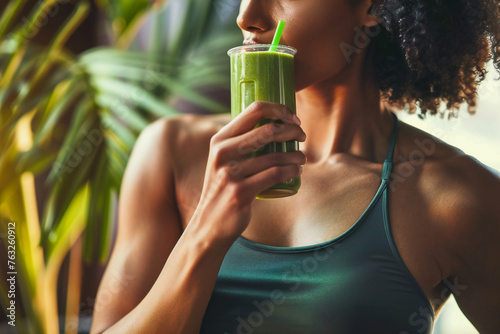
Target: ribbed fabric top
column 355, row 283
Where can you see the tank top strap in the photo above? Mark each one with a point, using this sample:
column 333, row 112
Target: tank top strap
column 387, row 169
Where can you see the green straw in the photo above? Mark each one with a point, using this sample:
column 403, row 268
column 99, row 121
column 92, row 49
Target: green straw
column 277, row 36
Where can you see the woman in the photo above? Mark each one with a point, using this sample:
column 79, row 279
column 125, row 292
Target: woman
column 389, row 220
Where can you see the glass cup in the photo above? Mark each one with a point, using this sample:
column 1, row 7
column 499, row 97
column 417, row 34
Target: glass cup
column 258, row 74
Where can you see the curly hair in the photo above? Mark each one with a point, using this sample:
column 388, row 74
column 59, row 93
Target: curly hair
column 434, row 51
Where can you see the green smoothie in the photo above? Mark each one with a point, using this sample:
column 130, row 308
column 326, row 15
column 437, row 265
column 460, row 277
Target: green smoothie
column 260, row 75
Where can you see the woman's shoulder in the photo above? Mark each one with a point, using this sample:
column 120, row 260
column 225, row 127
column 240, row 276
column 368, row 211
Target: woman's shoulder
column 183, row 138
column 436, row 155
column 443, row 166
column 186, row 127
column 463, row 193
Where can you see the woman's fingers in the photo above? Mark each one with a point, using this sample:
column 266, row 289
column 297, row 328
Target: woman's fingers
column 229, row 169
column 240, row 170
column 239, row 148
column 247, row 120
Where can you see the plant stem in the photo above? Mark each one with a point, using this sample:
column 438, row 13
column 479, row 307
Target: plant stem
column 73, row 290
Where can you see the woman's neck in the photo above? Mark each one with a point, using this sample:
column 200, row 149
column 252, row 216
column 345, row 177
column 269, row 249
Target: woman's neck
column 344, row 115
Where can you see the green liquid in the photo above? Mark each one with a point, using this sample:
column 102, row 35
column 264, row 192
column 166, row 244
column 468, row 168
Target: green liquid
column 265, row 76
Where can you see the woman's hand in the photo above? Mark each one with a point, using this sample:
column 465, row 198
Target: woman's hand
column 232, row 180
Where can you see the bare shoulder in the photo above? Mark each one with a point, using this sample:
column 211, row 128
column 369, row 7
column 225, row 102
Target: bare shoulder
column 470, row 212
column 177, row 129
column 470, row 192
column 442, row 165
column 163, row 151
column 462, row 193
column 181, row 144
column 198, row 129
column 190, row 135
column 183, row 135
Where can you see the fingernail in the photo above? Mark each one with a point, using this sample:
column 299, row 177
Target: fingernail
column 301, row 169
column 296, row 120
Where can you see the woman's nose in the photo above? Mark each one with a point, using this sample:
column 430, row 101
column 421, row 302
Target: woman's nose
column 252, row 16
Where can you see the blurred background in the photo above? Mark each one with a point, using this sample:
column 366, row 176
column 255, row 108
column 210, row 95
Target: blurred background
column 79, row 80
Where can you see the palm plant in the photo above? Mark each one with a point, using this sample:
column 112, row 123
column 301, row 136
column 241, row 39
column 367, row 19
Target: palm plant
column 72, row 120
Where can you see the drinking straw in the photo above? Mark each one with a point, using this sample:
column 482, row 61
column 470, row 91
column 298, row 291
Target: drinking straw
column 277, row 36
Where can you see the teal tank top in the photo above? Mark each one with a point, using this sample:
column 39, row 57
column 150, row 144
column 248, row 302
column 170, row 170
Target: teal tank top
column 355, row 283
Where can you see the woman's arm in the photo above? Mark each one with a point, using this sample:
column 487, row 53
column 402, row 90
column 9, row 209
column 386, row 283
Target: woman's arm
column 142, row 292
column 158, row 278
column 179, row 297
column 473, row 235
